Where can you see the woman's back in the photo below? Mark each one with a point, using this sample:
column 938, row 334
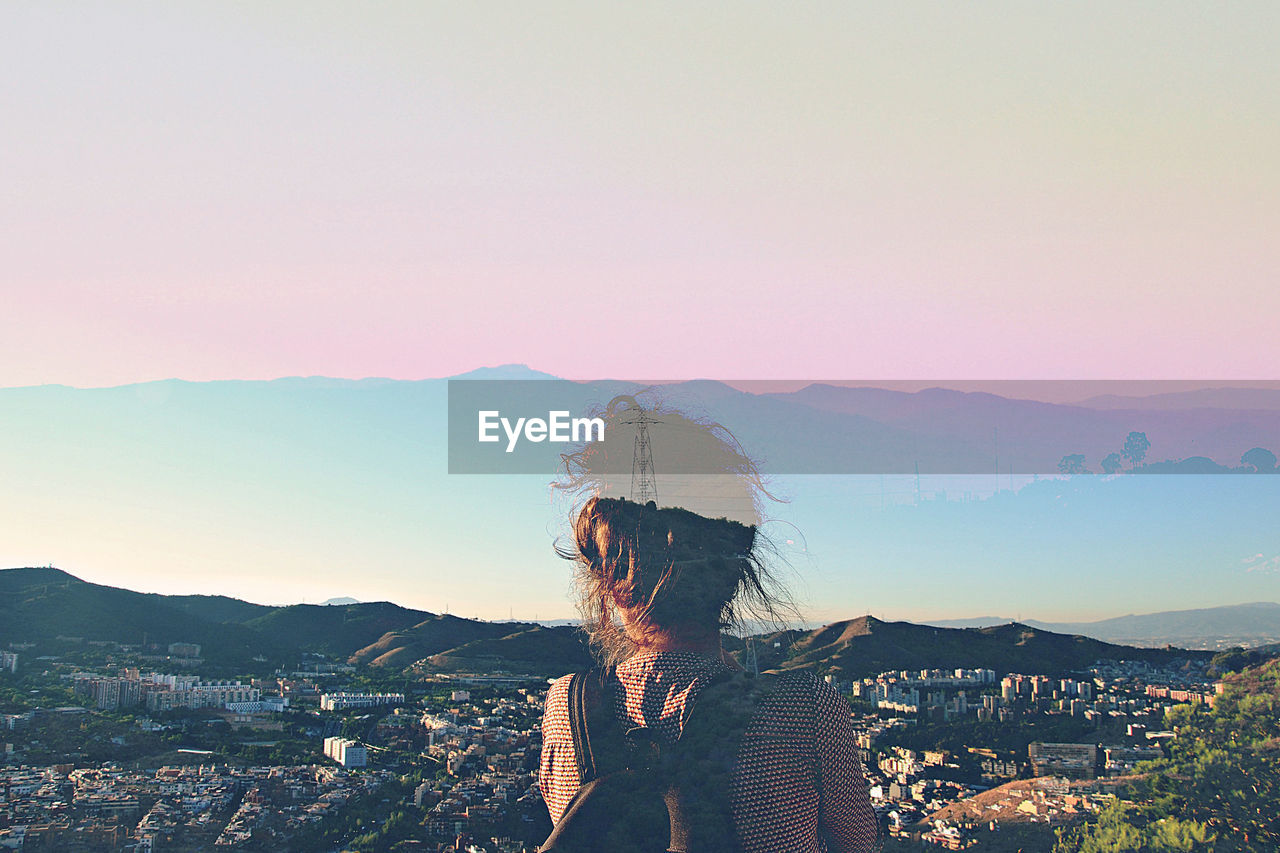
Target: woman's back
column 797, row 777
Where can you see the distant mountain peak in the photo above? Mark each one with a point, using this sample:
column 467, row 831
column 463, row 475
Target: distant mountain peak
column 505, row 371
column 32, row 575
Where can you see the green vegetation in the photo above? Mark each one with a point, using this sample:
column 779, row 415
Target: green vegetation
column 1219, row 789
column 364, row 822
column 538, row 650
column 1009, row 838
column 335, row 629
column 1237, row 659
column 1120, row 828
column 400, row 826
column 21, row 693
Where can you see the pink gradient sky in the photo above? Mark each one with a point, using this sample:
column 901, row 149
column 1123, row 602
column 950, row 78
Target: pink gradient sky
column 219, row 191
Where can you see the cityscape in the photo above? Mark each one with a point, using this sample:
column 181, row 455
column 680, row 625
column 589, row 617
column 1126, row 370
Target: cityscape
column 145, row 747
column 368, row 369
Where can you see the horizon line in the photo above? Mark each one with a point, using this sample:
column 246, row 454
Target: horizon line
column 806, row 622
column 777, row 385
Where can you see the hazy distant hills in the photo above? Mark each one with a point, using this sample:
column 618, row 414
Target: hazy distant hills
column 44, row 604
column 946, row 430
column 246, row 426
column 1246, row 624
column 1204, row 398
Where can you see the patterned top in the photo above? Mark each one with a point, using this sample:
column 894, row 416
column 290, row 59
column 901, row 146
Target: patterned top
column 797, row 786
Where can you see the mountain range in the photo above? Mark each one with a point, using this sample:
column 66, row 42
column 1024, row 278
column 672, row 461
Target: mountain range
column 866, row 646
column 47, row 606
column 818, row 429
column 1252, row 624
column 334, row 486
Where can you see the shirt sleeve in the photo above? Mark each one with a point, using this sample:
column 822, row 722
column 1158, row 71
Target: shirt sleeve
column 558, row 768
column 847, row 818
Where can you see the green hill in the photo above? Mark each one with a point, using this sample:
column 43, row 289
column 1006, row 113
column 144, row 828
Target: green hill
column 45, row 603
column 863, row 647
column 216, row 608
column 335, row 629
column 536, row 651
column 431, row 636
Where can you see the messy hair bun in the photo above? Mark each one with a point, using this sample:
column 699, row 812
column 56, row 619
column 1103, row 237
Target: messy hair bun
column 670, row 568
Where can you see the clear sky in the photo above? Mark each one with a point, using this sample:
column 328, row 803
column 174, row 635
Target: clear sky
column 829, row 190
column 907, row 190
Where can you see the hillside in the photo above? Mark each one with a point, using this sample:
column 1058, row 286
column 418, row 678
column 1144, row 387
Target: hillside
column 402, row 647
column 862, row 647
column 45, row 603
column 215, row 608
column 536, row 651
column 336, row 629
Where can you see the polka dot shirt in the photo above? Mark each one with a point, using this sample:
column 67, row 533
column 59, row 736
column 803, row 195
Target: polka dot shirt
column 797, row 783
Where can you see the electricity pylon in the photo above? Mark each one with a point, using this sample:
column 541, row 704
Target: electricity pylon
column 644, row 484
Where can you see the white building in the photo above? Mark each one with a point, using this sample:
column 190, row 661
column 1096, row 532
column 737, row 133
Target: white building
column 348, row 753
column 343, row 701
column 213, row 694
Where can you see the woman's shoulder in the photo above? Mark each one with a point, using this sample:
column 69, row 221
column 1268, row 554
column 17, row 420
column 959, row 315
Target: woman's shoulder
column 795, row 684
column 559, row 689
column 555, row 710
column 804, row 681
column 797, row 694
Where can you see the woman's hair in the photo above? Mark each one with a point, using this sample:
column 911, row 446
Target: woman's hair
column 671, row 568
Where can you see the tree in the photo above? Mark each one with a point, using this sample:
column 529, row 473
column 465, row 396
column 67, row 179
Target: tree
column 1217, row 790
column 1121, row 828
column 1260, row 460
column 1073, row 463
column 1136, row 447
column 1231, row 660
column 1111, row 463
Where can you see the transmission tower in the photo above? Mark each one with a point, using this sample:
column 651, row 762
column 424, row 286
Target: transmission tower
column 644, row 485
